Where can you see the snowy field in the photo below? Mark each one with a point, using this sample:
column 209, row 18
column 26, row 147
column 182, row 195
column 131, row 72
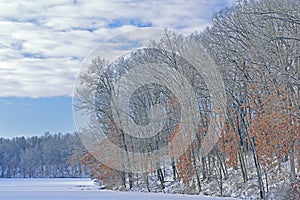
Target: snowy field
column 53, row 189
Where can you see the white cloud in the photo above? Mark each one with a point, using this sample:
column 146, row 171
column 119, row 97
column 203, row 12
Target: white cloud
column 42, row 43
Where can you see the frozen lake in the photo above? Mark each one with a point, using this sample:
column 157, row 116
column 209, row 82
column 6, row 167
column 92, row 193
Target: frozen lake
column 54, row 189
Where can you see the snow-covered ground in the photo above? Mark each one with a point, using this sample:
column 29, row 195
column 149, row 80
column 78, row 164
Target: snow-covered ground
column 53, row 189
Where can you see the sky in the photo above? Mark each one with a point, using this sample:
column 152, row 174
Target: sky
column 43, row 43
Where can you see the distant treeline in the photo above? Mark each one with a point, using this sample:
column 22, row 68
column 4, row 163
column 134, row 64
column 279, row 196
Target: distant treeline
column 50, row 155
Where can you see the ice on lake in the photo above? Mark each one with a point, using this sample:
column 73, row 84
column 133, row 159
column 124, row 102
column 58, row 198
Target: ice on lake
column 65, row 188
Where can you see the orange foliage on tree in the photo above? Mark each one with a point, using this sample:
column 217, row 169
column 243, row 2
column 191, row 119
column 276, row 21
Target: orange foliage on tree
column 228, row 144
column 185, row 167
column 274, row 126
column 106, row 175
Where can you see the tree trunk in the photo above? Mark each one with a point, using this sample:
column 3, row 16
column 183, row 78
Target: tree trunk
column 123, row 178
column 204, row 171
column 267, row 183
column 208, row 168
column 161, row 178
column 243, row 166
column 174, row 170
column 221, row 179
column 292, row 162
column 222, row 164
column 196, row 172
column 258, row 170
column 147, row 181
column 130, row 178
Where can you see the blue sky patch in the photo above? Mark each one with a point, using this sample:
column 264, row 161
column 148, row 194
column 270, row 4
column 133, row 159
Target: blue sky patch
column 34, row 116
column 115, row 23
column 33, row 55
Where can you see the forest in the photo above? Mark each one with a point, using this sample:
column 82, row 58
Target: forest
column 256, row 47
column 47, row 156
